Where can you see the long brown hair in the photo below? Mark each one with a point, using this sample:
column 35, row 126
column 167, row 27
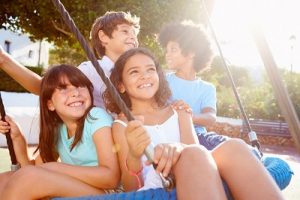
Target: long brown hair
column 161, row 96
column 49, row 120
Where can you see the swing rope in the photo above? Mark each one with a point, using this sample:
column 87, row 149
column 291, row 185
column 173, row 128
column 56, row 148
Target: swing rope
column 280, row 91
column 13, row 159
column 251, row 134
column 168, row 182
column 278, row 168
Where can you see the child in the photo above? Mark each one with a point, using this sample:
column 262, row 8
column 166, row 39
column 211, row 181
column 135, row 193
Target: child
column 188, row 51
column 111, row 34
column 141, row 84
column 71, row 130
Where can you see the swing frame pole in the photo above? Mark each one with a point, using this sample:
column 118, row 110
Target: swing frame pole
column 280, row 91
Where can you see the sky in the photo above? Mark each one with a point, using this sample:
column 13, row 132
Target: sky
column 279, row 19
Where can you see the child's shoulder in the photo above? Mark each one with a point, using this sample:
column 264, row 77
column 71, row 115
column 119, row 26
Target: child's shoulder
column 98, row 112
column 106, row 63
column 206, row 83
column 85, row 64
column 170, row 74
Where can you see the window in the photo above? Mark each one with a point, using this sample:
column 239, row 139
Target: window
column 7, row 46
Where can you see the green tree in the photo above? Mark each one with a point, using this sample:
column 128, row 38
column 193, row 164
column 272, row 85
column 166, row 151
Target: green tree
column 42, row 20
column 217, row 74
column 258, row 99
column 70, row 54
column 217, row 71
column 292, row 82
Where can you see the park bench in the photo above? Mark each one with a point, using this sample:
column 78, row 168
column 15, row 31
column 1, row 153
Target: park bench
column 267, row 128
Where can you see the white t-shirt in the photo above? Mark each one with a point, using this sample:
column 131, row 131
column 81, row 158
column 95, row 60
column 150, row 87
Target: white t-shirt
column 99, row 87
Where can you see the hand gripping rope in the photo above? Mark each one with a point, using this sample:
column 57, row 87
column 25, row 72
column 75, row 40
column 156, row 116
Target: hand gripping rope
column 168, row 182
column 14, row 163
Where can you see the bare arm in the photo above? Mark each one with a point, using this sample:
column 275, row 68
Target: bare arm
column 106, row 175
column 19, row 143
column 28, row 79
column 207, row 117
column 129, row 181
column 187, row 131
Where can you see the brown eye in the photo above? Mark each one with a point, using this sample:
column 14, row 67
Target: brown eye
column 133, row 72
column 152, row 69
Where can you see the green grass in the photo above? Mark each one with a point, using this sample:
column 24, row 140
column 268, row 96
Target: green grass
column 4, row 160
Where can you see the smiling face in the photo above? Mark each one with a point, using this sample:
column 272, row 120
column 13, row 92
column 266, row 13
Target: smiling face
column 140, row 78
column 174, row 57
column 123, row 38
column 69, row 102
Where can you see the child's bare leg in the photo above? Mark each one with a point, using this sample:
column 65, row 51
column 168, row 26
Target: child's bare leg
column 35, row 183
column 197, row 176
column 244, row 173
column 4, row 178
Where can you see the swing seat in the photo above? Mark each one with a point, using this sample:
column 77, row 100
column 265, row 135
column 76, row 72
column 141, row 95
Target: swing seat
column 150, row 194
column 279, row 170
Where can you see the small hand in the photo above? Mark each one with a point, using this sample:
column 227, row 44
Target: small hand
column 9, row 125
column 181, row 105
column 137, row 138
column 166, row 156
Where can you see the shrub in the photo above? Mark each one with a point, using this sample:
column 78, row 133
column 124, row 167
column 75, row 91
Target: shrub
column 8, row 84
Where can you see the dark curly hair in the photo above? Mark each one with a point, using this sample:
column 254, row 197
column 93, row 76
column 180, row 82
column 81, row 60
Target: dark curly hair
column 191, row 39
column 162, row 95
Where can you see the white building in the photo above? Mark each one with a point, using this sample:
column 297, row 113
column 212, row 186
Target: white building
column 23, row 107
column 23, row 49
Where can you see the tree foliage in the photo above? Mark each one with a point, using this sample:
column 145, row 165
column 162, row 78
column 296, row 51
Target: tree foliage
column 257, row 98
column 42, row 20
column 66, row 53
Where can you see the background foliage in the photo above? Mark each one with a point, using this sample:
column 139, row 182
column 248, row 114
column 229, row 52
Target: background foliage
column 8, row 84
column 257, row 97
column 42, row 20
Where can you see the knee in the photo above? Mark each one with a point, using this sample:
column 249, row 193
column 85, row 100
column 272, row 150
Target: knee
column 197, row 158
column 234, row 145
column 17, row 179
column 194, row 149
column 194, row 155
column 231, row 149
column 4, row 178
